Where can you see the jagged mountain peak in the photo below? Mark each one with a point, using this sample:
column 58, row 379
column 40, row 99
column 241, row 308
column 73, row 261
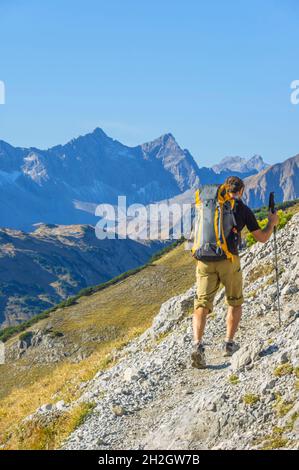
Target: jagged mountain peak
column 97, row 135
column 239, row 164
column 99, row 131
column 167, row 139
column 256, row 158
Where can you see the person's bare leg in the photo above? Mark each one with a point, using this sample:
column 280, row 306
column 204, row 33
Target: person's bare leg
column 199, row 323
column 232, row 321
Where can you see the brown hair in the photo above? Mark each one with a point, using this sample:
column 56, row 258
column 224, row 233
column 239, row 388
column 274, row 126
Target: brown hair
column 235, row 184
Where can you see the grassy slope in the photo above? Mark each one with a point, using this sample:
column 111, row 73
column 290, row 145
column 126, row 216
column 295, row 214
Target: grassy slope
column 117, row 313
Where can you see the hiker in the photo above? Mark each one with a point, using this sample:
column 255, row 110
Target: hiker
column 219, row 262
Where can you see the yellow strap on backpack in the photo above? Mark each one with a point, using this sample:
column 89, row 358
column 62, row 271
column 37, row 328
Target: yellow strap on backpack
column 196, row 232
column 222, row 196
column 197, row 198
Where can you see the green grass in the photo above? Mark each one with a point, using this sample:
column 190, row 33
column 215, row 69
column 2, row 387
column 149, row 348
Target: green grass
column 233, row 379
column 262, row 212
column 291, row 422
column 275, row 441
column 251, row 399
column 282, row 407
column 283, row 369
column 284, row 218
column 286, row 211
column 39, row 435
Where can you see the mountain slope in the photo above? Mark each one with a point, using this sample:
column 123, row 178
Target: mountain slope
column 282, row 178
column 150, row 397
column 39, row 269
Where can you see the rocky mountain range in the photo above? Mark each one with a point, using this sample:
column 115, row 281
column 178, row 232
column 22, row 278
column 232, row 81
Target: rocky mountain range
column 282, row 178
column 59, row 185
column 63, row 185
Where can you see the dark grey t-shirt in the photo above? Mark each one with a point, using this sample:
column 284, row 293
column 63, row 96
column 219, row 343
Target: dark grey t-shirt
column 244, row 217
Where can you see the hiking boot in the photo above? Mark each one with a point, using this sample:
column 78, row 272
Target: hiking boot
column 229, row 348
column 198, row 357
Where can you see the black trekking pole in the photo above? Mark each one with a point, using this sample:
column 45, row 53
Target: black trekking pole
column 272, row 209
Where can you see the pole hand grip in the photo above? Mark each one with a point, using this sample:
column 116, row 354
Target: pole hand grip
column 271, row 203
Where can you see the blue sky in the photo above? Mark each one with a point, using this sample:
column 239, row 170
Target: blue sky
column 216, row 74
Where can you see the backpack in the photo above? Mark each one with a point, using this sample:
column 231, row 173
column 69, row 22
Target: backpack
column 213, row 223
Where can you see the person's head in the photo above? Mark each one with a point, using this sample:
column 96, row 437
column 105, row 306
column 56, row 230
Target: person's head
column 235, row 186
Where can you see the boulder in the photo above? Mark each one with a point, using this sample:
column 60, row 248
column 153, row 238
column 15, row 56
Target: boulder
column 246, row 355
column 130, row 374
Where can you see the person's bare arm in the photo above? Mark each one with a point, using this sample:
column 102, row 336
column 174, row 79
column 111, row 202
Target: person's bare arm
column 263, row 235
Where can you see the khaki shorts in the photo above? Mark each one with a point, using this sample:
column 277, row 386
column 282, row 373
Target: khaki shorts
column 209, row 276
